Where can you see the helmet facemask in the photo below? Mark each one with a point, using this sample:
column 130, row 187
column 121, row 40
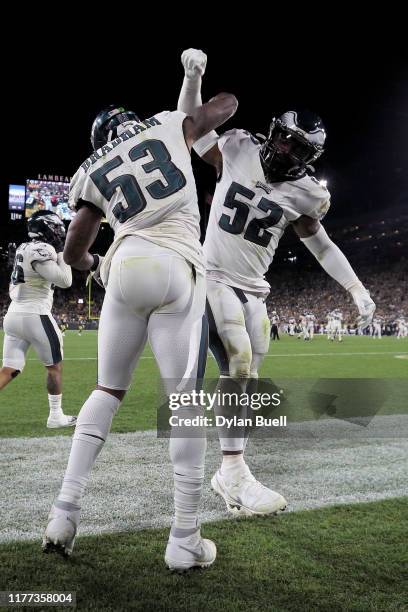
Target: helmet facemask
column 290, row 149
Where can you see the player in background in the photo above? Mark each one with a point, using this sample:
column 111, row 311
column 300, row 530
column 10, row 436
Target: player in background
column 377, row 328
column 38, row 267
column 292, row 326
column 262, row 188
column 337, row 324
column 80, row 328
column 402, row 328
column 329, row 327
column 310, row 324
column 275, row 325
column 303, row 327
column 141, row 179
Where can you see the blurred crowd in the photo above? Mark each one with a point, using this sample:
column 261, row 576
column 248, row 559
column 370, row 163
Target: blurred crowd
column 295, row 291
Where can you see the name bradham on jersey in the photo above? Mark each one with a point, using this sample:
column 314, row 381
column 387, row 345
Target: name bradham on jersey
column 29, row 291
column 248, row 215
column 144, row 184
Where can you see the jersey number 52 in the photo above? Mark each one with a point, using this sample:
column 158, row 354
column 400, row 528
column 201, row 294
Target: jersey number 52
column 17, row 276
column 257, row 230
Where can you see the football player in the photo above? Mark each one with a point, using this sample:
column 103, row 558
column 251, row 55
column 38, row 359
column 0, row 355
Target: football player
column 329, row 327
column 337, row 324
column 401, row 327
column 38, row 266
column 292, row 326
column 310, row 324
column 377, row 327
column 303, row 327
column 274, row 325
column 141, row 179
column 262, row 187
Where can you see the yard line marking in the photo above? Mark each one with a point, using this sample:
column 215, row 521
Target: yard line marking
column 337, row 354
column 273, row 355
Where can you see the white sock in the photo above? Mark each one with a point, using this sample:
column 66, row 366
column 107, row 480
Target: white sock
column 187, row 455
column 93, row 425
column 232, row 464
column 55, row 403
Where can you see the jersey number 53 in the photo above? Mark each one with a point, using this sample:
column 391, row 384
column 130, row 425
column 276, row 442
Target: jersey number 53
column 135, row 199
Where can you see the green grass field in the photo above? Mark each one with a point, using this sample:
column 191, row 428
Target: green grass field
column 348, row 557
column 24, row 402
column 338, row 559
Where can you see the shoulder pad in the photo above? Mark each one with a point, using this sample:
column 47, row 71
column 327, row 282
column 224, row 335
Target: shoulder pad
column 41, row 251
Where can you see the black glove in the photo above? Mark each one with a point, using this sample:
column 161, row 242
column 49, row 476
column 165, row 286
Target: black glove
column 58, row 244
column 95, row 271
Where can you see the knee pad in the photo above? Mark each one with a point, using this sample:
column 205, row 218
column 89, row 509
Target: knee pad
column 238, row 347
column 95, row 417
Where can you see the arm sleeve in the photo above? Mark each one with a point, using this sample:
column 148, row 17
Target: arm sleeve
column 332, row 259
column 189, row 100
column 58, row 273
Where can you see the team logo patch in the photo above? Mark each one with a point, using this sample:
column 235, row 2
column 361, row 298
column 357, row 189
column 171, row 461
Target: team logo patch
column 263, row 186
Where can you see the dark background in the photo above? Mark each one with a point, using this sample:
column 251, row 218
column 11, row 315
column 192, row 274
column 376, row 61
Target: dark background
column 356, row 79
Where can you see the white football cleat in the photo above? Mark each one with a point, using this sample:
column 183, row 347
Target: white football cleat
column 193, row 551
column 61, row 530
column 63, row 420
column 245, row 496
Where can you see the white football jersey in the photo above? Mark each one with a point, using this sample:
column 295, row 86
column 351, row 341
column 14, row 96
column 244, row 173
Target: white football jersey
column 311, row 319
column 29, row 291
column 248, row 215
column 337, row 315
column 144, row 184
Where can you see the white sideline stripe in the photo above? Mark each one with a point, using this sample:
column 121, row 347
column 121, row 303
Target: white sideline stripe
column 338, row 354
column 266, row 356
column 131, row 484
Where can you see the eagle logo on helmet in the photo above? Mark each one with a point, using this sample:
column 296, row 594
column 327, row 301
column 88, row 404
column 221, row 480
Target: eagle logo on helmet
column 46, row 226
